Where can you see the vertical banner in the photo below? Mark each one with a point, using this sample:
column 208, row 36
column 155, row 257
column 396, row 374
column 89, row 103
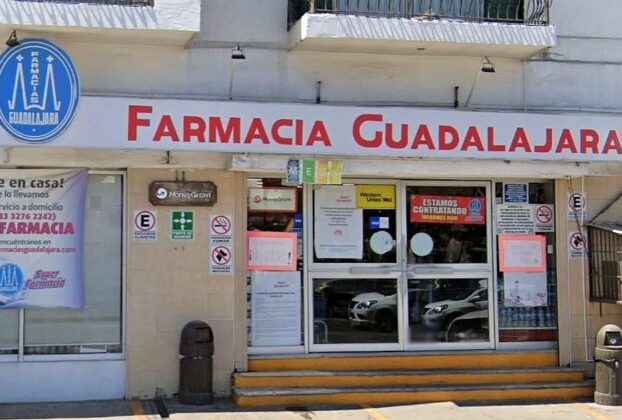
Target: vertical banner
column 41, row 232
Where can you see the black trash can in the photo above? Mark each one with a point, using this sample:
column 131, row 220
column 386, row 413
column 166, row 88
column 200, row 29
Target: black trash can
column 196, row 350
column 608, row 358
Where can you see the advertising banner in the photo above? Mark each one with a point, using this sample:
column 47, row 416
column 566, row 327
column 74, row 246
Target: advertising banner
column 447, row 209
column 41, row 232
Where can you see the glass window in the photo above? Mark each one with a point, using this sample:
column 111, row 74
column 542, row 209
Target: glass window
column 446, row 225
column 528, row 301
column 96, row 327
column 9, row 333
column 354, row 224
column 448, row 310
column 354, row 310
column 273, row 207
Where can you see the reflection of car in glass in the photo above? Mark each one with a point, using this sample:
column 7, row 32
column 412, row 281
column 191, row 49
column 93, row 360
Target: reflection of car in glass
column 374, row 310
column 472, row 326
column 440, row 314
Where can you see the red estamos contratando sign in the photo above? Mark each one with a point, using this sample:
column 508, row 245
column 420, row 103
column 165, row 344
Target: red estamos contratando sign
column 447, row 209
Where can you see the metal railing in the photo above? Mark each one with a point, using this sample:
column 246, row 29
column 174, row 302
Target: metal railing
column 529, row 12
column 109, row 2
column 605, row 265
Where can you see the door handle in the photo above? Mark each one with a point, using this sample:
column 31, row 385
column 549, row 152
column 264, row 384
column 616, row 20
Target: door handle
column 372, row 270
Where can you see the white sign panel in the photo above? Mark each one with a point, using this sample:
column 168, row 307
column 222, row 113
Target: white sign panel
column 275, row 309
column 576, row 244
column 338, row 223
column 274, row 251
column 145, row 224
column 41, row 238
column 221, row 259
column 545, row 217
column 577, row 206
column 524, row 289
column 524, row 219
column 303, row 129
column 272, row 199
column 221, row 229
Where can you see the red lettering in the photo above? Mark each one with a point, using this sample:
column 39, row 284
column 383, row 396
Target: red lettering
column 299, row 126
column 612, row 143
column 224, row 135
column 443, row 132
column 566, row 142
column 133, row 122
column 472, row 139
column 318, row 134
column 520, row 140
column 589, row 140
column 548, row 146
column 423, row 138
column 396, row 144
column 276, row 134
column 256, row 131
column 194, row 127
column 376, row 141
column 165, row 129
column 492, row 147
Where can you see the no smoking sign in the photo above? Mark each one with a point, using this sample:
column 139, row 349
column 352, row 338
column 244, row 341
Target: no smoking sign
column 220, row 229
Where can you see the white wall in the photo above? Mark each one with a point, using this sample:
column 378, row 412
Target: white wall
column 582, row 73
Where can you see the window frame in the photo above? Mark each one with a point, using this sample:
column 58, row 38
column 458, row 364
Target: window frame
column 21, row 357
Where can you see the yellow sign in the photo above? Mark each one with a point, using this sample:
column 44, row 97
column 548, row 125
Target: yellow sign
column 375, row 196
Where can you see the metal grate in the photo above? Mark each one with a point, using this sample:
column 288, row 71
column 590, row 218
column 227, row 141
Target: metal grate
column 605, row 259
column 530, row 12
column 109, row 2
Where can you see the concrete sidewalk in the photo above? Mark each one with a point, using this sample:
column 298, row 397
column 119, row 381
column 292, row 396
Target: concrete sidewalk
column 225, row 409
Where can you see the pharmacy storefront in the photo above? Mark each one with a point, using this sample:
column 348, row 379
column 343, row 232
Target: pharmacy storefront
column 307, row 228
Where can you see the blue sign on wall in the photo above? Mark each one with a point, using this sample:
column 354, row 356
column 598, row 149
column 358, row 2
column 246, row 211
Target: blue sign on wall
column 39, row 91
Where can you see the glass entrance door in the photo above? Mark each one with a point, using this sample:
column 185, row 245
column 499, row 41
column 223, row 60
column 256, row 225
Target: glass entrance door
column 399, row 266
column 448, row 267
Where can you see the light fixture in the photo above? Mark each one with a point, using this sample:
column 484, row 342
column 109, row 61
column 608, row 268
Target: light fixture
column 237, row 53
column 12, row 41
column 487, row 66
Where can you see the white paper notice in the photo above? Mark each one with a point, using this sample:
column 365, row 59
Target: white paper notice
column 525, row 289
column 338, row 223
column 276, row 308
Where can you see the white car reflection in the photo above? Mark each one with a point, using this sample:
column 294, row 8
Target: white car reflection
column 374, row 310
column 472, row 326
column 440, row 314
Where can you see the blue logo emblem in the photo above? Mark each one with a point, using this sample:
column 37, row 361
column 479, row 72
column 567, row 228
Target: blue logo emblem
column 475, row 206
column 11, row 280
column 39, row 91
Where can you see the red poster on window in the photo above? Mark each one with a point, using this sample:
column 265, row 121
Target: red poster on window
column 447, row 209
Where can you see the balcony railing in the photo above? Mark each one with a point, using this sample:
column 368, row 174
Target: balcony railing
column 529, row 12
column 108, row 2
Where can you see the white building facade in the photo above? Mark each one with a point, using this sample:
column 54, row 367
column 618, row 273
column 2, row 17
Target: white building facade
column 461, row 134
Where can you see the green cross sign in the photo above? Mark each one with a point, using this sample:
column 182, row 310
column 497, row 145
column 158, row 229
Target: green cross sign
column 182, row 225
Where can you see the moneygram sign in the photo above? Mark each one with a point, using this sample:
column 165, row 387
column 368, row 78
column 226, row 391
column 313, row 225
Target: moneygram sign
column 39, row 91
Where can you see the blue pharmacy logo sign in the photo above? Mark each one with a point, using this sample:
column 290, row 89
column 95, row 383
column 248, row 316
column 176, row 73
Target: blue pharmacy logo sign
column 475, row 206
column 39, row 91
column 11, row 280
